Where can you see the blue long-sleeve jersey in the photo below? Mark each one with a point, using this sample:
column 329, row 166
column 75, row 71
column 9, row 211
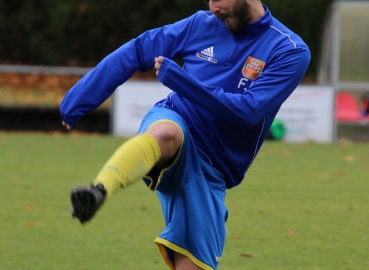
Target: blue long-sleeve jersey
column 229, row 89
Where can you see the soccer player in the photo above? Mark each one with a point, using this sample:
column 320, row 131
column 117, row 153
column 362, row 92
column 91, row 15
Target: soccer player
column 240, row 65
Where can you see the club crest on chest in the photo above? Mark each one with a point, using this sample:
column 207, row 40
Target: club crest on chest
column 253, row 68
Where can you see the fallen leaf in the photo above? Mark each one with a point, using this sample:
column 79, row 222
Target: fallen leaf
column 246, row 255
column 29, row 224
column 340, row 174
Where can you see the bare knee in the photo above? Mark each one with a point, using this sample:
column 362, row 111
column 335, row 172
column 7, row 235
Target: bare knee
column 169, row 137
column 181, row 262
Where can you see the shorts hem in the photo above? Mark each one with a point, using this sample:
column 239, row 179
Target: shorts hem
column 163, row 244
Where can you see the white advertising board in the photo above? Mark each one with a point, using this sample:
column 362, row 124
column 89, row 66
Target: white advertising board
column 131, row 101
column 307, row 114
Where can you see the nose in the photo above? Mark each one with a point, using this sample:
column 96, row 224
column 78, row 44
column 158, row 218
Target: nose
column 214, row 8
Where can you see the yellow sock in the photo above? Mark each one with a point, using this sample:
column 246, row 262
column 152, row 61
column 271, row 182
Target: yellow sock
column 130, row 162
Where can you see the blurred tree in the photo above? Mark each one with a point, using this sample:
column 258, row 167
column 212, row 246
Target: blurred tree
column 22, row 25
column 82, row 32
column 306, row 18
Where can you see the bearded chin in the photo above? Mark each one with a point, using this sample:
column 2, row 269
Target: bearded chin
column 237, row 27
column 241, row 16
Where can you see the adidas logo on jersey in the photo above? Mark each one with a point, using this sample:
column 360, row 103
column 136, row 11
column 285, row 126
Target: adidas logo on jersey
column 207, row 54
column 209, row 51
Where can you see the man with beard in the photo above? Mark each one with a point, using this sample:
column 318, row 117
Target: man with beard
column 240, row 65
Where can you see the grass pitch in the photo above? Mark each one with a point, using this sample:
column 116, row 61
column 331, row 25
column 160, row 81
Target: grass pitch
column 302, row 206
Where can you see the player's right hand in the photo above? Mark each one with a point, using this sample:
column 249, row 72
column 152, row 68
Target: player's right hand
column 66, row 125
column 158, row 61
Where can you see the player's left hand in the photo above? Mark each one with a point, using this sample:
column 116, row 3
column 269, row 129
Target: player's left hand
column 158, row 61
column 66, row 125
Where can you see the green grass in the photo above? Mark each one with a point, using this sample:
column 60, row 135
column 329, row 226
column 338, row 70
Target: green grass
column 302, row 206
